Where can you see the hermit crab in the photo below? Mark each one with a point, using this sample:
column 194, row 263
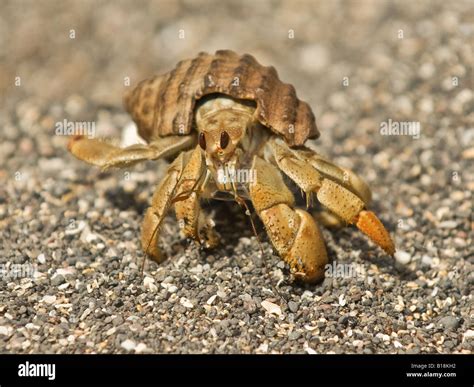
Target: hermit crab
column 233, row 130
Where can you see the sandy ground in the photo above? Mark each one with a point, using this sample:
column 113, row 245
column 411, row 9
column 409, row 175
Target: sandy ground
column 70, row 253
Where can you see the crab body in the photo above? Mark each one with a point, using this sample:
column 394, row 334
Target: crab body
column 236, row 128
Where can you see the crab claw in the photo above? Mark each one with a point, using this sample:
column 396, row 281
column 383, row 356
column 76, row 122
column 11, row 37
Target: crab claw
column 369, row 224
column 351, row 209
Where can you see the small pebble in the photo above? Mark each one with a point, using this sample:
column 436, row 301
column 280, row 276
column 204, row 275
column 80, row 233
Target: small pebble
column 128, row 345
column 49, row 299
column 57, row 280
column 270, row 307
column 402, row 257
column 186, row 303
column 449, row 322
column 41, row 258
column 293, row 306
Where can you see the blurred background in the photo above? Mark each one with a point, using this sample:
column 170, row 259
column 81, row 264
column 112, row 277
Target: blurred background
column 61, row 48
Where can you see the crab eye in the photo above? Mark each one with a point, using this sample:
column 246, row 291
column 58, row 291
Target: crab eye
column 202, row 141
column 224, row 139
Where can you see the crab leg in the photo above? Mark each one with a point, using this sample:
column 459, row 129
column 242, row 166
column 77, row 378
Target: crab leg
column 160, row 205
column 105, row 155
column 293, row 233
column 181, row 187
column 193, row 222
column 345, row 197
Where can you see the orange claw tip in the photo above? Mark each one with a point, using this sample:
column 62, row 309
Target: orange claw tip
column 369, row 224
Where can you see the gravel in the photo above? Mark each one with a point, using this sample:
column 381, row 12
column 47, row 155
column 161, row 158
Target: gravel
column 69, row 241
